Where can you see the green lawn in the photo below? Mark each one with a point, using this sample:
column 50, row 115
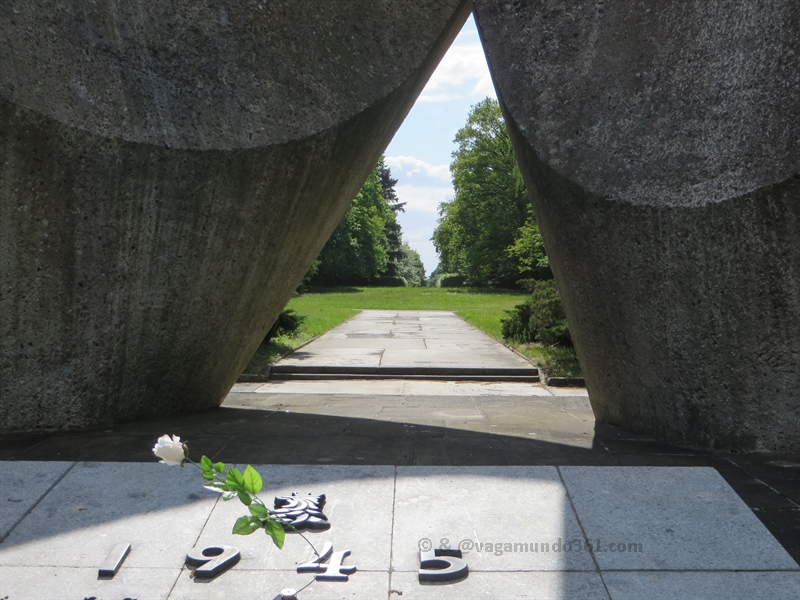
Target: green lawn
column 326, row 308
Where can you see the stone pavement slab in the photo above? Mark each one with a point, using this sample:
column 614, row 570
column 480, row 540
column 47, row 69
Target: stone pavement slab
column 342, row 357
column 475, row 509
column 731, row 585
column 266, row 585
column 23, row 485
column 541, row 585
column 683, row 518
column 523, row 530
column 68, row 583
column 97, row 505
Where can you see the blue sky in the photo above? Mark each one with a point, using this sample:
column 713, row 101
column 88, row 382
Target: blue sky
column 420, row 153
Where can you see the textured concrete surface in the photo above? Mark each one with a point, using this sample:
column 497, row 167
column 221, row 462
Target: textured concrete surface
column 167, row 175
column 406, row 338
column 659, row 148
column 518, row 528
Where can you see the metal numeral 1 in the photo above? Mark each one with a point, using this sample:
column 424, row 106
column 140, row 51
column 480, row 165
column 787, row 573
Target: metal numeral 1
column 114, row 560
column 212, row 560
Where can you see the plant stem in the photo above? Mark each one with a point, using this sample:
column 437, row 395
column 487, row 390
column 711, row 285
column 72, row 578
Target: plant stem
column 261, row 502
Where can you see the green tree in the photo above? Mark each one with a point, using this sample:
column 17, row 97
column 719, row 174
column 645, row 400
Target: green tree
column 528, row 250
column 358, row 250
column 487, row 232
column 410, row 266
column 368, row 242
column 391, row 229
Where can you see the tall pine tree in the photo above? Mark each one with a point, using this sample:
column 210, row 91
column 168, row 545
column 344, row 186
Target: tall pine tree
column 391, row 230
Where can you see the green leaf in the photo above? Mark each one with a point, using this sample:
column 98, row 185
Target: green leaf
column 219, row 467
column 258, row 510
column 246, row 525
column 208, row 476
column 252, row 480
column 235, row 479
column 228, row 496
column 245, row 498
column 206, row 463
column 275, row 530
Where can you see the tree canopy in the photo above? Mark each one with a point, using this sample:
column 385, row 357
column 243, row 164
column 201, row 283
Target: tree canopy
column 368, row 242
column 487, row 233
column 391, row 229
column 410, row 266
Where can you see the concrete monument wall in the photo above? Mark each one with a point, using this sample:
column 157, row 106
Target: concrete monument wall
column 168, row 172
column 659, row 143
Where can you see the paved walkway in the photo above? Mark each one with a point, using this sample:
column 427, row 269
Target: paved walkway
column 420, row 341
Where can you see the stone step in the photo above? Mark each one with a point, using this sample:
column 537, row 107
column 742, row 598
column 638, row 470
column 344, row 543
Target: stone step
column 428, row 371
column 426, row 376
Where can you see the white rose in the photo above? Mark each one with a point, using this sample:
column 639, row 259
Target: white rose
column 170, row 451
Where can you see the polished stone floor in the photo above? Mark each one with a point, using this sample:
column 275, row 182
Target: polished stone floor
column 524, row 531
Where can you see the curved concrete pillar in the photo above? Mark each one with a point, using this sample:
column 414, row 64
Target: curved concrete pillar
column 659, row 143
column 168, row 171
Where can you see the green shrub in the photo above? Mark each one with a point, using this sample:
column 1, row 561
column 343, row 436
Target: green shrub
column 390, row 281
column 288, row 323
column 555, row 361
column 540, row 319
column 548, row 319
column 516, row 328
column 451, row 280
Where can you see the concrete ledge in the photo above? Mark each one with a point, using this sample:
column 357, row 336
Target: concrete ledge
column 405, row 371
column 312, row 373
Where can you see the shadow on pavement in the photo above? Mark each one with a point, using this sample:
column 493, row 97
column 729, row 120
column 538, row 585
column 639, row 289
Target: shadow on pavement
column 768, row 483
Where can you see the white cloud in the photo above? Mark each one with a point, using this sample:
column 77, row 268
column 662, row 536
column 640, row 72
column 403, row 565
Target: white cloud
column 464, row 66
column 425, row 198
column 438, row 97
column 408, row 165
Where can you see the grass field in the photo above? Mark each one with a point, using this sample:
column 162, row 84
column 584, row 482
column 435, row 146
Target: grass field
column 324, row 309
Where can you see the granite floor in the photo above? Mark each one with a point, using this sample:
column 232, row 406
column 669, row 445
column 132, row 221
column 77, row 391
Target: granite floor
column 524, row 531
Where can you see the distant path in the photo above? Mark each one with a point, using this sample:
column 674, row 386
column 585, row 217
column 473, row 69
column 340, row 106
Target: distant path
column 426, row 339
